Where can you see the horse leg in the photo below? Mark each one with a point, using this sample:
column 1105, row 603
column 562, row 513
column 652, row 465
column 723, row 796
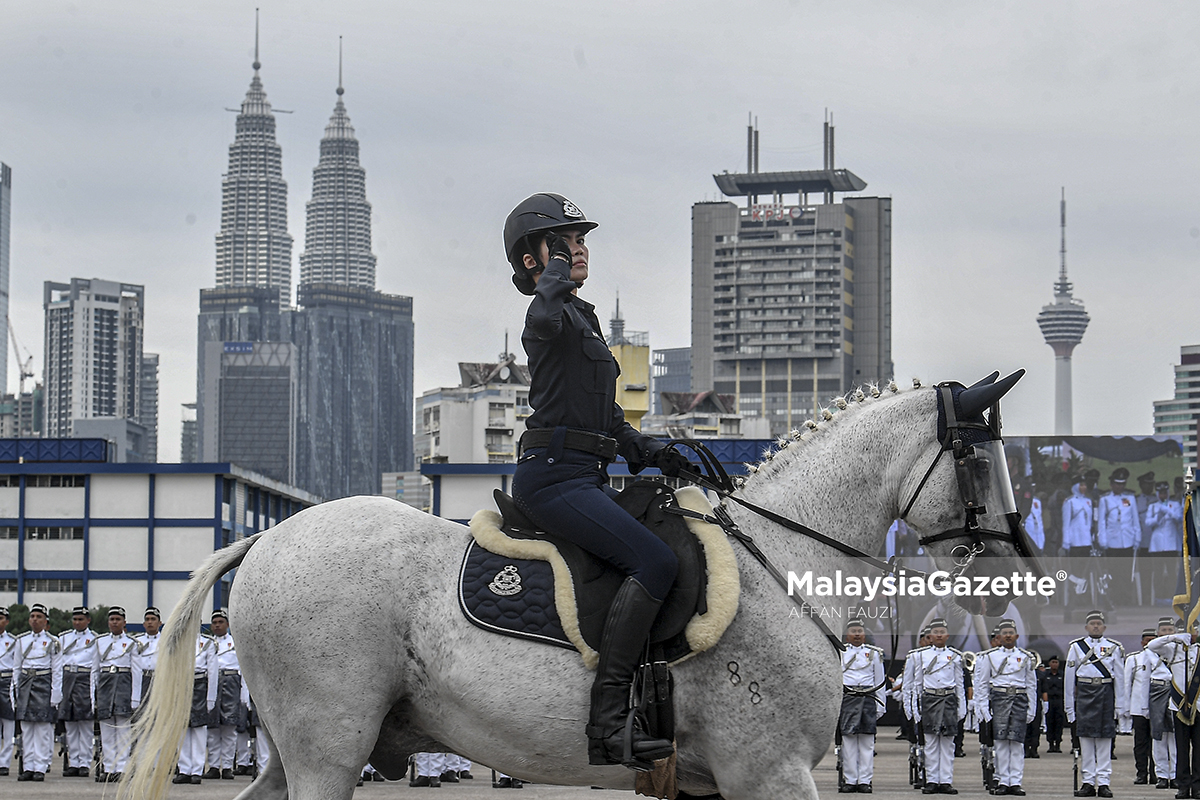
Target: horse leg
column 271, row 783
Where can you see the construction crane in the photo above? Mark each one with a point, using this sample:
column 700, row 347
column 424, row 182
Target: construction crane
column 26, row 366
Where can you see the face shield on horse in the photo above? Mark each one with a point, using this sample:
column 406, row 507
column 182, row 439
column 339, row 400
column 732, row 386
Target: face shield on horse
column 355, row 649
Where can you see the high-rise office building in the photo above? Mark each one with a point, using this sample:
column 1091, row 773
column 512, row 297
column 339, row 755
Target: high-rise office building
column 148, row 413
column 791, row 301
column 253, row 245
column 245, row 384
column 354, row 350
column 5, row 239
column 1063, row 323
column 249, row 417
column 670, row 371
column 354, row 344
column 93, row 352
column 1181, row 414
column 188, row 453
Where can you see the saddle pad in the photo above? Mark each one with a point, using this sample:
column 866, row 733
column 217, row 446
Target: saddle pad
column 544, row 607
column 512, row 596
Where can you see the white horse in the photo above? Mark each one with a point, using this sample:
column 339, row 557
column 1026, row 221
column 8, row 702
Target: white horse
column 354, row 648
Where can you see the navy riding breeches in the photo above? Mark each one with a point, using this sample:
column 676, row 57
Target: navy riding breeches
column 569, row 496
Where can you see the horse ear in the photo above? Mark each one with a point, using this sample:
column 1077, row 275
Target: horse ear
column 988, row 381
column 977, row 399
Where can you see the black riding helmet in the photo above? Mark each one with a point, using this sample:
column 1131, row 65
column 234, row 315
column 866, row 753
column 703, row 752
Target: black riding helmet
column 537, row 214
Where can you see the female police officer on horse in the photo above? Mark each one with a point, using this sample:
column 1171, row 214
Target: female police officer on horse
column 575, row 430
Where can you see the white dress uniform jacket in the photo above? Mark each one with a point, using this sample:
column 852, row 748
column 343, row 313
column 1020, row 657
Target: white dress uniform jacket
column 1180, row 656
column 1164, row 526
column 144, row 660
column 1118, row 521
column 1077, row 519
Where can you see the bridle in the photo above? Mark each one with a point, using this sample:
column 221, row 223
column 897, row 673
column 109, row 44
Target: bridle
column 971, row 460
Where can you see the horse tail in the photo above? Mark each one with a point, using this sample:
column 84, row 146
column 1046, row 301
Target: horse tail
column 162, row 719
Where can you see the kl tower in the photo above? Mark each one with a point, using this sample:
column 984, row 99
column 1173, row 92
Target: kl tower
column 1063, row 323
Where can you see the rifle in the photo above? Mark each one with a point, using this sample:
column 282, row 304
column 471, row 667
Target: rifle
column 913, row 764
column 837, row 751
column 1075, row 759
column 19, row 748
column 987, row 759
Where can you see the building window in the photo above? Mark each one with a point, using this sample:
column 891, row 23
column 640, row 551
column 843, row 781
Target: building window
column 9, row 480
column 56, row 480
column 10, row 532
column 50, row 585
column 53, row 533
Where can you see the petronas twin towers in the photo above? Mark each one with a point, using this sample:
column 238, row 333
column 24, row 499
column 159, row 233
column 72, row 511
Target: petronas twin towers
column 254, row 247
column 318, row 394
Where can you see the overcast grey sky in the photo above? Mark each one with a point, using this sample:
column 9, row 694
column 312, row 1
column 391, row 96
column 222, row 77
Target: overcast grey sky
column 971, row 116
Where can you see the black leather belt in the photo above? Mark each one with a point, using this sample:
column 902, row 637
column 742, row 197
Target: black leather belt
column 584, row 441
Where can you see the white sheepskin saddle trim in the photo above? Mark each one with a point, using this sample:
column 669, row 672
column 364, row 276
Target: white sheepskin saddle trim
column 702, row 631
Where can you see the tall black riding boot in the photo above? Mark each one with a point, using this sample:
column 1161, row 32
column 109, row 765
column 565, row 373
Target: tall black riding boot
column 625, row 632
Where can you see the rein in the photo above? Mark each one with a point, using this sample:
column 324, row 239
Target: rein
column 717, row 480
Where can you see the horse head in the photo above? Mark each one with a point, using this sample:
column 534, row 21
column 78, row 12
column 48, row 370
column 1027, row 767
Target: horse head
column 975, row 532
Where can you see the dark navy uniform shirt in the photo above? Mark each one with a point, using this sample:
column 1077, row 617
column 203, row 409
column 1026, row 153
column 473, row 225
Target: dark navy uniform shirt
column 574, row 375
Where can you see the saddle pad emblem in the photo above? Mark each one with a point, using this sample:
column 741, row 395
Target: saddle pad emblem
column 507, row 582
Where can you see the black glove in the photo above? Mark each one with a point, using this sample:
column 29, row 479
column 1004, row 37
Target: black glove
column 557, row 247
column 670, row 462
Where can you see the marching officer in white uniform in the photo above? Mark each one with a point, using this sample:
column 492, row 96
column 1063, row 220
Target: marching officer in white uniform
column 112, row 692
column 232, row 700
column 908, row 704
column 145, row 656
column 1137, row 712
column 1094, row 697
column 1159, row 714
column 8, row 725
column 1005, row 684
column 36, row 692
column 205, row 682
column 76, row 711
column 941, row 705
column 864, row 694
column 1181, row 654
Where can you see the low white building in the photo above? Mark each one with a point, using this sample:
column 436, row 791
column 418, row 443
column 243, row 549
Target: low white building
column 76, row 533
column 478, row 422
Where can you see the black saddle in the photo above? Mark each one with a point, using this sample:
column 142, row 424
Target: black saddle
column 596, row 582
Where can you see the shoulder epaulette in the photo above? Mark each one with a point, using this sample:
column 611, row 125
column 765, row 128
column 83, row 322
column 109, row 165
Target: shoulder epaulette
column 208, row 636
column 918, row 649
column 103, row 635
column 1079, row 642
column 954, row 650
column 135, row 635
column 23, row 635
column 875, row 647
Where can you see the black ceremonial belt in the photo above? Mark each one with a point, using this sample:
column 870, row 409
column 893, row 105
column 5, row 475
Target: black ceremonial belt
column 583, row 441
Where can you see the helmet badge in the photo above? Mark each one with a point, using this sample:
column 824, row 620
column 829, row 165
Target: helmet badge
column 571, row 210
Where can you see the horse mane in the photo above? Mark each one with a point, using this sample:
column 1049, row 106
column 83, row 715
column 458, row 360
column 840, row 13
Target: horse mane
column 843, row 407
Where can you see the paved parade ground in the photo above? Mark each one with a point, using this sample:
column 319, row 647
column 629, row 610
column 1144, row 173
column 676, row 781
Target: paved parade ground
column 1048, row 776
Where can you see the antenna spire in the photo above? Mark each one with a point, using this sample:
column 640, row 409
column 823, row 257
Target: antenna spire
column 1062, row 251
column 340, row 90
column 257, row 65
